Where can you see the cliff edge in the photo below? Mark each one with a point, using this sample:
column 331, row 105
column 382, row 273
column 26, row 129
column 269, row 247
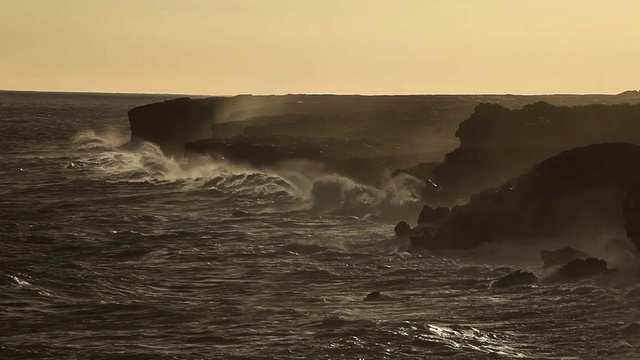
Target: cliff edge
column 497, row 143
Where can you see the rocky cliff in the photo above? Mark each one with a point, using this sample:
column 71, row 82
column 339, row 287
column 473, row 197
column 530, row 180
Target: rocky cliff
column 173, row 123
column 579, row 193
column 409, row 124
column 497, row 143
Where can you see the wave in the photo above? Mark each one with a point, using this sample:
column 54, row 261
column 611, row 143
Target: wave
column 398, row 198
column 309, row 248
column 98, row 141
column 116, row 160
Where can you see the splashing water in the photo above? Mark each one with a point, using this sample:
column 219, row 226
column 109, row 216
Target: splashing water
column 306, row 180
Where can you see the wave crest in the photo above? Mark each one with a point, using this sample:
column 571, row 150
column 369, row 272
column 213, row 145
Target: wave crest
column 113, row 158
column 399, row 197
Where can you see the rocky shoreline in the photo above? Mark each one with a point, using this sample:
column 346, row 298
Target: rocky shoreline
column 525, row 167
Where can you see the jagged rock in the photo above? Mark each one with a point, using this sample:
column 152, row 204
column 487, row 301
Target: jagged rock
column 402, row 229
column 561, row 256
column 582, row 268
column 517, row 277
column 497, row 144
column 430, row 215
column 576, row 193
column 372, row 296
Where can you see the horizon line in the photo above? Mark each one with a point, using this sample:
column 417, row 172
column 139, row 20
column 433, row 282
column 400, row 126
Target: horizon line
column 324, row 94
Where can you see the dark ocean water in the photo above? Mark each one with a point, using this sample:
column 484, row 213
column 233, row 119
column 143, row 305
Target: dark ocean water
column 115, row 253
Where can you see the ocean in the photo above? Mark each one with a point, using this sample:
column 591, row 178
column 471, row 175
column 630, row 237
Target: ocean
column 114, row 252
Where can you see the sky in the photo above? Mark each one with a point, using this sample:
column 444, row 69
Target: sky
column 321, row 46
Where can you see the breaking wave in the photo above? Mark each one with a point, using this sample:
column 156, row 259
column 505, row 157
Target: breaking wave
column 113, row 158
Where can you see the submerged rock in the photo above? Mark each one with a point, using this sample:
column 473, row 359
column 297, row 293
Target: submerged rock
column 375, row 295
column 402, row 229
column 517, row 277
column 562, row 256
column 583, row 268
column 632, row 329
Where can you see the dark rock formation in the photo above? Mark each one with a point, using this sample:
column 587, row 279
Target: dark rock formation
column 402, row 229
column 423, row 239
column 419, row 127
column 578, row 193
column 517, row 277
column 497, row 144
column 583, row 268
column 431, row 215
column 372, row 296
column 241, row 150
column 403, row 121
column 173, row 123
column 562, row 256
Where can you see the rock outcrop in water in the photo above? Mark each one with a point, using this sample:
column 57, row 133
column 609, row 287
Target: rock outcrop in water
column 373, row 296
column 497, row 144
column 583, row 268
column 562, row 256
column 402, row 229
column 579, row 192
column 173, row 123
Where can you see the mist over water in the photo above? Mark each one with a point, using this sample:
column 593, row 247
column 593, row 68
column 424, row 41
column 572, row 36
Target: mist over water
column 116, row 251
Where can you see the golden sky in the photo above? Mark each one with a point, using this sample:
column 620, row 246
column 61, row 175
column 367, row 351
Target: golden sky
column 321, row 46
